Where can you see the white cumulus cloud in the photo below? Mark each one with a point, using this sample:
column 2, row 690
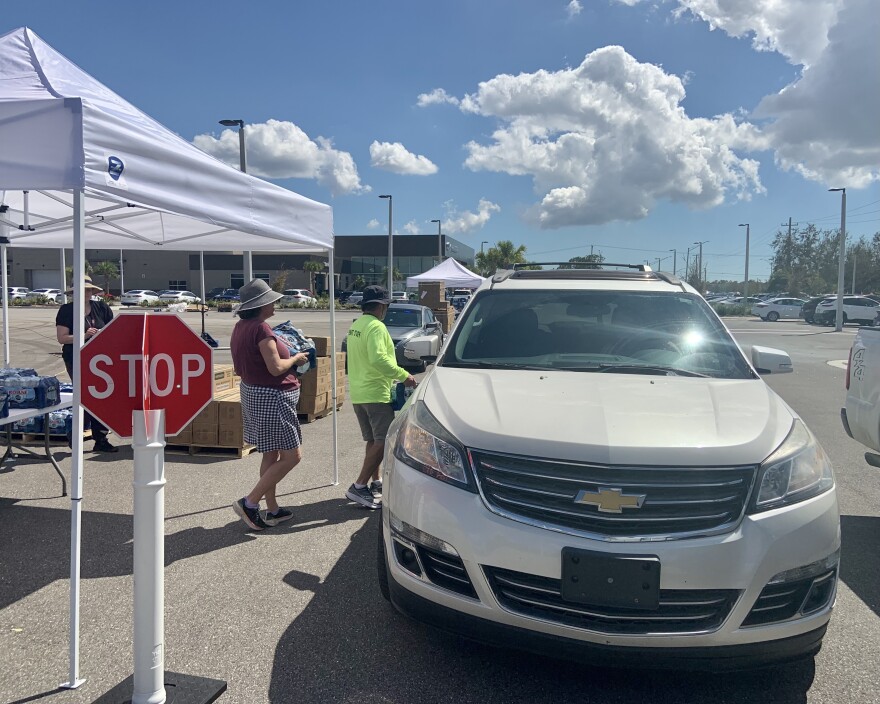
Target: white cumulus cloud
column 573, row 9
column 607, row 139
column 463, row 222
column 411, row 228
column 373, row 224
column 824, row 124
column 438, row 96
column 394, row 157
column 279, row 149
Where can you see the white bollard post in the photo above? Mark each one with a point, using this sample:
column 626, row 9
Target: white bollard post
column 149, row 557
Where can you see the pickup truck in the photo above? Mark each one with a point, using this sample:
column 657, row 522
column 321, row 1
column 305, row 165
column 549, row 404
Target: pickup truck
column 861, row 415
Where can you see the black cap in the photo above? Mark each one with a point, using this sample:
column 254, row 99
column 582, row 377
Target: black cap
column 375, row 294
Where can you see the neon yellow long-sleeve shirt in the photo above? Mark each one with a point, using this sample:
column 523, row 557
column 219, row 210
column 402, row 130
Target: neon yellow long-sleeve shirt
column 372, row 366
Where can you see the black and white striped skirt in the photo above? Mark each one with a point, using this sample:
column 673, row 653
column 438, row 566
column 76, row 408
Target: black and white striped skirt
column 269, row 416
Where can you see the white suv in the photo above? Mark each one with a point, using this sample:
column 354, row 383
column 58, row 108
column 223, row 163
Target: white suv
column 594, row 465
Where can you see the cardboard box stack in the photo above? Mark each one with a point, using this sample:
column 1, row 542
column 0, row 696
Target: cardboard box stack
column 433, row 295
column 316, row 388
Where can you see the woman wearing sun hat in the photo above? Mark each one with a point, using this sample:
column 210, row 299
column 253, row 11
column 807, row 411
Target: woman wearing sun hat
column 269, row 395
column 98, row 314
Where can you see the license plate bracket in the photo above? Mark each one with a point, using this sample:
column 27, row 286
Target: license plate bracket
column 611, row 580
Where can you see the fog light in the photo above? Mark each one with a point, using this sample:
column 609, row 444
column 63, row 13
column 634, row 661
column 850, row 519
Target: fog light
column 406, row 557
column 820, row 593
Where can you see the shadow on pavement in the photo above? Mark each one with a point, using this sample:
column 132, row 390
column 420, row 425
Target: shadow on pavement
column 860, row 545
column 349, row 645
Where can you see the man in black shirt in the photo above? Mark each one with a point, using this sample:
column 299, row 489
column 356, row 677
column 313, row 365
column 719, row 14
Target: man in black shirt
column 98, row 314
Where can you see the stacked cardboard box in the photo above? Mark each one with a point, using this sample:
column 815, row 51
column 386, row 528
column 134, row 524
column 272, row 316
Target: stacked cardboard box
column 432, row 294
column 316, row 388
column 446, row 315
column 204, row 429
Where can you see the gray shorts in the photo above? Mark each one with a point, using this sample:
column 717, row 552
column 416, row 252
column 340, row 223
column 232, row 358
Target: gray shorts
column 374, row 419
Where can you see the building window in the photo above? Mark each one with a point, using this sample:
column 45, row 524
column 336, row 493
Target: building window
column 177, row 285
column 237, row 280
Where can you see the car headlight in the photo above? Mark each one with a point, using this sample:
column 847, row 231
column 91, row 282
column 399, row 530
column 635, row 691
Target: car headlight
column 425, row 445
column 798, row 470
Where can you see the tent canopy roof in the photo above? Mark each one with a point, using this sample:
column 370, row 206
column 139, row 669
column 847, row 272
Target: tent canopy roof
column 145, row 186
column 451, row 273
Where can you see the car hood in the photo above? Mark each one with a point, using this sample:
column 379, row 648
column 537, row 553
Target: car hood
column 401, row 334
column 610, row 418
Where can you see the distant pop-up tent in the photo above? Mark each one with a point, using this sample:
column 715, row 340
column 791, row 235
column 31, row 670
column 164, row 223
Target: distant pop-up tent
column 451, row 273
column 81, row 167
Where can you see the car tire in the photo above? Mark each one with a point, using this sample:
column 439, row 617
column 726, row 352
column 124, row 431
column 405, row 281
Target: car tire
column 418, row 367
column 382, row 566
column 772, row 316
column 845, row 319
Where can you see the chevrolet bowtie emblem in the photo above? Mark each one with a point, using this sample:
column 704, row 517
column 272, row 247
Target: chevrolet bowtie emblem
column 610, row 500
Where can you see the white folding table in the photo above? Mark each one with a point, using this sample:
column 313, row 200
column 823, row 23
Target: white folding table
column 17, row 414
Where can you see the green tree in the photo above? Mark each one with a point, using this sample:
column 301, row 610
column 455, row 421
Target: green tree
column 68, row 273
column 312, row 267
column 502, row 256
column 395, row 275
column 106, row 270
column 279, row 281
column 587, row 259
column 358, row 283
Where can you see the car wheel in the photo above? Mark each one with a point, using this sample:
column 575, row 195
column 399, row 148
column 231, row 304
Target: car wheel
column 845, row 319
column 418, row 367
column 772, row 316
column 382, row 565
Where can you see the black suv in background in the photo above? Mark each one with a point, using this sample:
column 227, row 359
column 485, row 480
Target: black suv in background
column 809, row 308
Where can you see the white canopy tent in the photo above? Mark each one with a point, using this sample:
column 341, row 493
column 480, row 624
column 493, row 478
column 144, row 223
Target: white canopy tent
column 451, row 273
column 81, row 167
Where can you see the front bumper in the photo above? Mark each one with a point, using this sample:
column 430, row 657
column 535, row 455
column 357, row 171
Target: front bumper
column 743, row 561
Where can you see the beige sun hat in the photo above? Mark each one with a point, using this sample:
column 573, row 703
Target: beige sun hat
column 87, row 285
column 256, row 294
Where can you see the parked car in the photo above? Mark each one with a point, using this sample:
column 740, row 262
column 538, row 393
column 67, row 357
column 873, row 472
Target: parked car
column 16, row 292
column 861, row 413
column 856, row 309
column 777, row 308
column 136, row 297
column 355, row 298
column 460, row 298
column 299, row 296
column 229, row 294
column 179, row 297
column 406, row 321
column 594, row 466
column 343, row 296
column 809, row 308
column 52, row 294
column 214, row 292
column 399, row 297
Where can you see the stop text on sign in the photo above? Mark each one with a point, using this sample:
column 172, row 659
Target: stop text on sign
column 160, row 368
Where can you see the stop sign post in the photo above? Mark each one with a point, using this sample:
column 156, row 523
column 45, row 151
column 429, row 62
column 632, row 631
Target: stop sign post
column 143, row 375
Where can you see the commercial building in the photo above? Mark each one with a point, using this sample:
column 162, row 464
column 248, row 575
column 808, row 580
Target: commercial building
column 356, row 257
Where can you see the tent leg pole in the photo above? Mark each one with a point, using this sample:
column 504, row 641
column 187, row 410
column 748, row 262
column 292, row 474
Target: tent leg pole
column 202, row 277
column 4, row 264
column 76, row 457
column 333, row 376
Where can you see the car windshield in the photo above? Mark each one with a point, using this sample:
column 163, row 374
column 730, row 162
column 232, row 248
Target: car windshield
column 596, row 331
column 402, row 318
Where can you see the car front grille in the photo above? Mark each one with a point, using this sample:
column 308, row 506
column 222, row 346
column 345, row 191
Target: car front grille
column 446, row 571
column 680, row 610
column 781, row 602
column 674, row 501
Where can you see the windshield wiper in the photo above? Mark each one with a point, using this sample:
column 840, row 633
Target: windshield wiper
column 644, row 369
column 496, row 365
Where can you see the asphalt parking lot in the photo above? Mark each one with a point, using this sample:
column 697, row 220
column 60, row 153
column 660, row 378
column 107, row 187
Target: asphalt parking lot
column 294, row 614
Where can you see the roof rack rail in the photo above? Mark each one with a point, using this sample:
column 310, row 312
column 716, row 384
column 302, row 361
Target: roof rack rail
column 642, row 272
column 584, row 265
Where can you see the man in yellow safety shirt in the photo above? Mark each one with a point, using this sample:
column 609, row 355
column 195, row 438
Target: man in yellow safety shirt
column 372, row 369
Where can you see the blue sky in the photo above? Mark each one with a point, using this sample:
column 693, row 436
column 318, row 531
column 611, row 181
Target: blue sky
column 635, row 127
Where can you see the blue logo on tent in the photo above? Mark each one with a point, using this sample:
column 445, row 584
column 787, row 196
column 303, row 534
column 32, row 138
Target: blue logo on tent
column 115, row 167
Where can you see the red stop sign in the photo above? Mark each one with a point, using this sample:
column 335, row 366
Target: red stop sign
column 144, row 362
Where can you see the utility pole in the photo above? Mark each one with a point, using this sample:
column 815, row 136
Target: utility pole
column 788, row 241
column 746, row 285
column 853, row 290
column 674, row 261
column 700, row 265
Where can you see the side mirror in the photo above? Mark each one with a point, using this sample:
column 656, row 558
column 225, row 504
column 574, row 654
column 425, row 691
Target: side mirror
column 767, row 360
column 419, row 349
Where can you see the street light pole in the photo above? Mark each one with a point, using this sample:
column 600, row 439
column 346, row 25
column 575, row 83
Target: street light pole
column 481, row 245
column 674, row 261
column 242, row 162
column 439, row 242
column 840, row 263
column 746, row 286
column 390, row 247
column 700, row 266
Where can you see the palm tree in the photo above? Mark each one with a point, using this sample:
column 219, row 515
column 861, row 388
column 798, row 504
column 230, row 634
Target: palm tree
column 106, row 270
column 313, row 267
column 502, row 256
